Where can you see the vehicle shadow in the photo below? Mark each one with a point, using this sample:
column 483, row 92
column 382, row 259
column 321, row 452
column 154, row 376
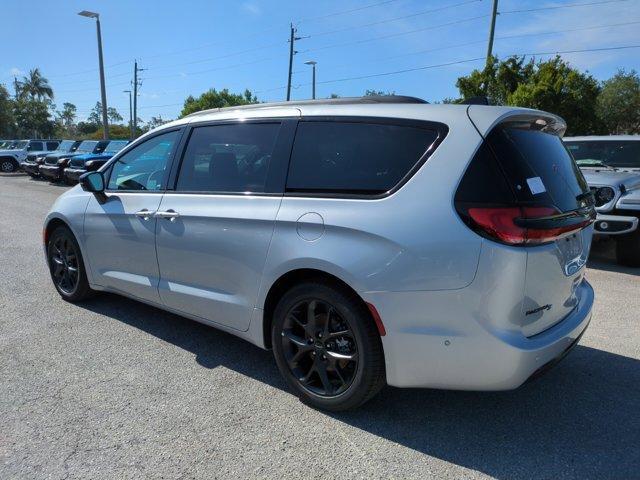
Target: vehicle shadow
column 603, row 257
column 580, row 420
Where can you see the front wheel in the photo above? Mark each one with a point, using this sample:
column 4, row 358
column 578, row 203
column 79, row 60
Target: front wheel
column 327, row 347
column 628, row 249
column 8, row 165
column 66, row 266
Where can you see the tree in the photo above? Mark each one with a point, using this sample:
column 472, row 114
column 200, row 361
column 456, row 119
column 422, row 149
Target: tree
column 35, row 86
column 551, row 85
column 497, row 81
column 155, row 122
column 216, row 99
column 556, row 87
column 95, row 117
column 7, row 120
column 619, row 103
column 66, row 120
column 33, row 118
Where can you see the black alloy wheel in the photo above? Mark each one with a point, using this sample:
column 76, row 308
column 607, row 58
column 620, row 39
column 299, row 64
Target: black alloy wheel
column 319, row 347
column 66, row 266
column 327, row 346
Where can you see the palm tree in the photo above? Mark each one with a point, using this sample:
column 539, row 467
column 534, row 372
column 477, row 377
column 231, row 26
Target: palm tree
column 36, row 86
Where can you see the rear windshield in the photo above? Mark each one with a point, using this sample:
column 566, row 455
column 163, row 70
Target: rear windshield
column 354, row 158
column 538, row 167
column 598, row 153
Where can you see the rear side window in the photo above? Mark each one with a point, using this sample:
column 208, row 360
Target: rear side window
column 538, row 167
column 52, row 145
column 228, row 158
column 353, row 157
column 35, row 147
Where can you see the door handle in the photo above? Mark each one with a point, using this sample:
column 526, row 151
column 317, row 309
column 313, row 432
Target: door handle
column 170, row 215
column 144, row 214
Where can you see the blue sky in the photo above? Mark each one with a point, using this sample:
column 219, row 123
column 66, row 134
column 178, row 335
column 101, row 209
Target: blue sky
column 188, row 46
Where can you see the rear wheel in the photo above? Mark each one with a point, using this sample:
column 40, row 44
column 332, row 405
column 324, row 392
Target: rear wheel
column 327, row 347
column 66, row 266
column 8, row 165
column 628, row 249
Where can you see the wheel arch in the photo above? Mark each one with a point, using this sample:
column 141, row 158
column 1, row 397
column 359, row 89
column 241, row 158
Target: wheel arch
column 293, row 277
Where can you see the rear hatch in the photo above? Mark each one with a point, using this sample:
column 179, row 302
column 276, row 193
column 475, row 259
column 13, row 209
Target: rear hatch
column 543, row 206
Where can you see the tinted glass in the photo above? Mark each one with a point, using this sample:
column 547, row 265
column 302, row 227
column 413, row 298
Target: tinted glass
column 358, row 158
column 619, row 154
column 228, row 158
column 144, row 167
column 65, row 145
column 116, row 145
column 36, row 146
column 52, row 145
column 87, row 146
column 538, row 167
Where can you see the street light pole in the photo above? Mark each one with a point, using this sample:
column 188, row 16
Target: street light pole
column 103, row 91
column 313, row 64
column 130, row 115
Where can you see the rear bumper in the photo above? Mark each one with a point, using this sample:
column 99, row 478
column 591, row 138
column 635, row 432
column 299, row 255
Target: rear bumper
column 51, row 172
column 615, row 224
column 460, row 352
column 72, row 175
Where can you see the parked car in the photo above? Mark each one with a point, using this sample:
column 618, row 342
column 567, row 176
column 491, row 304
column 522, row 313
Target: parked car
column 32, row 163
column 11, row 158
column 611, row 165
column 53, row 167
column 90, row 162
column 364, row 240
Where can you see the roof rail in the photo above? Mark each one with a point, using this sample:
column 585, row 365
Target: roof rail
column 324, row 101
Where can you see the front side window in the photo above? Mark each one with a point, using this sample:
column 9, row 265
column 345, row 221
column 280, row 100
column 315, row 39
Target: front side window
column 144, row 166
column 52, row 145
column 228, row 158
column 354, row 158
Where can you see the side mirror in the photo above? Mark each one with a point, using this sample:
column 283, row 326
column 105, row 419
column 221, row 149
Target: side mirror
column 92, row 182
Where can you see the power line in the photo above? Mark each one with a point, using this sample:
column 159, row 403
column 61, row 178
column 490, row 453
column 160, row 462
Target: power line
column 393, row 35
column 344, row 12
column 395, row 19
column 556, row 7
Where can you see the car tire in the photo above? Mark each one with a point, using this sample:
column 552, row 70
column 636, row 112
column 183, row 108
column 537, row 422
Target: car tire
column 628, row 249
column 66, row 266
column 8, row 165
column 340, row 371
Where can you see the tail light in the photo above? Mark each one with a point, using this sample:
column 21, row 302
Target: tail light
column 526, row 225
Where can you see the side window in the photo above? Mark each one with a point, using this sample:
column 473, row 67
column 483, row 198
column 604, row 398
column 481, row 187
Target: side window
column 144, row 167
column 35, row 147
column 52, row 145
column 354, row 158
column 228, row 158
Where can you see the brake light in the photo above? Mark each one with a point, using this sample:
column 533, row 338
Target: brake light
column 501, row 223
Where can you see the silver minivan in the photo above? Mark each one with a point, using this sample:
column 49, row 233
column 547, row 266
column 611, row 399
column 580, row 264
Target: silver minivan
column 365, row 241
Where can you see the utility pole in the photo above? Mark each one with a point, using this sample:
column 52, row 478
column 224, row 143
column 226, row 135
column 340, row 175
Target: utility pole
column 291, row 54
column 130, row 115
column 136, row 84
column 492, row 31
column 15, row 86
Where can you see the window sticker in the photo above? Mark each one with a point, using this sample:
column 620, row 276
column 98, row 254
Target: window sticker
column 535, row 185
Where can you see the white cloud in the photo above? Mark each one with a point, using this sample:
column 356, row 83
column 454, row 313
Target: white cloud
column 15, row 72
column 251, row 8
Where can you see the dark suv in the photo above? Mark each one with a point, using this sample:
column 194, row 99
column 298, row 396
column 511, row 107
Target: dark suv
column 54, row 165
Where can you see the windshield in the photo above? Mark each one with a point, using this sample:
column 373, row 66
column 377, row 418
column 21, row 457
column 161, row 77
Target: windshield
column 116, row 145
column 607, row 153
column 87, row 146
column 65, row 145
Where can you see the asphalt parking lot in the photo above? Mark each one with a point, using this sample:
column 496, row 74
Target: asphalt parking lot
column 116, row 389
